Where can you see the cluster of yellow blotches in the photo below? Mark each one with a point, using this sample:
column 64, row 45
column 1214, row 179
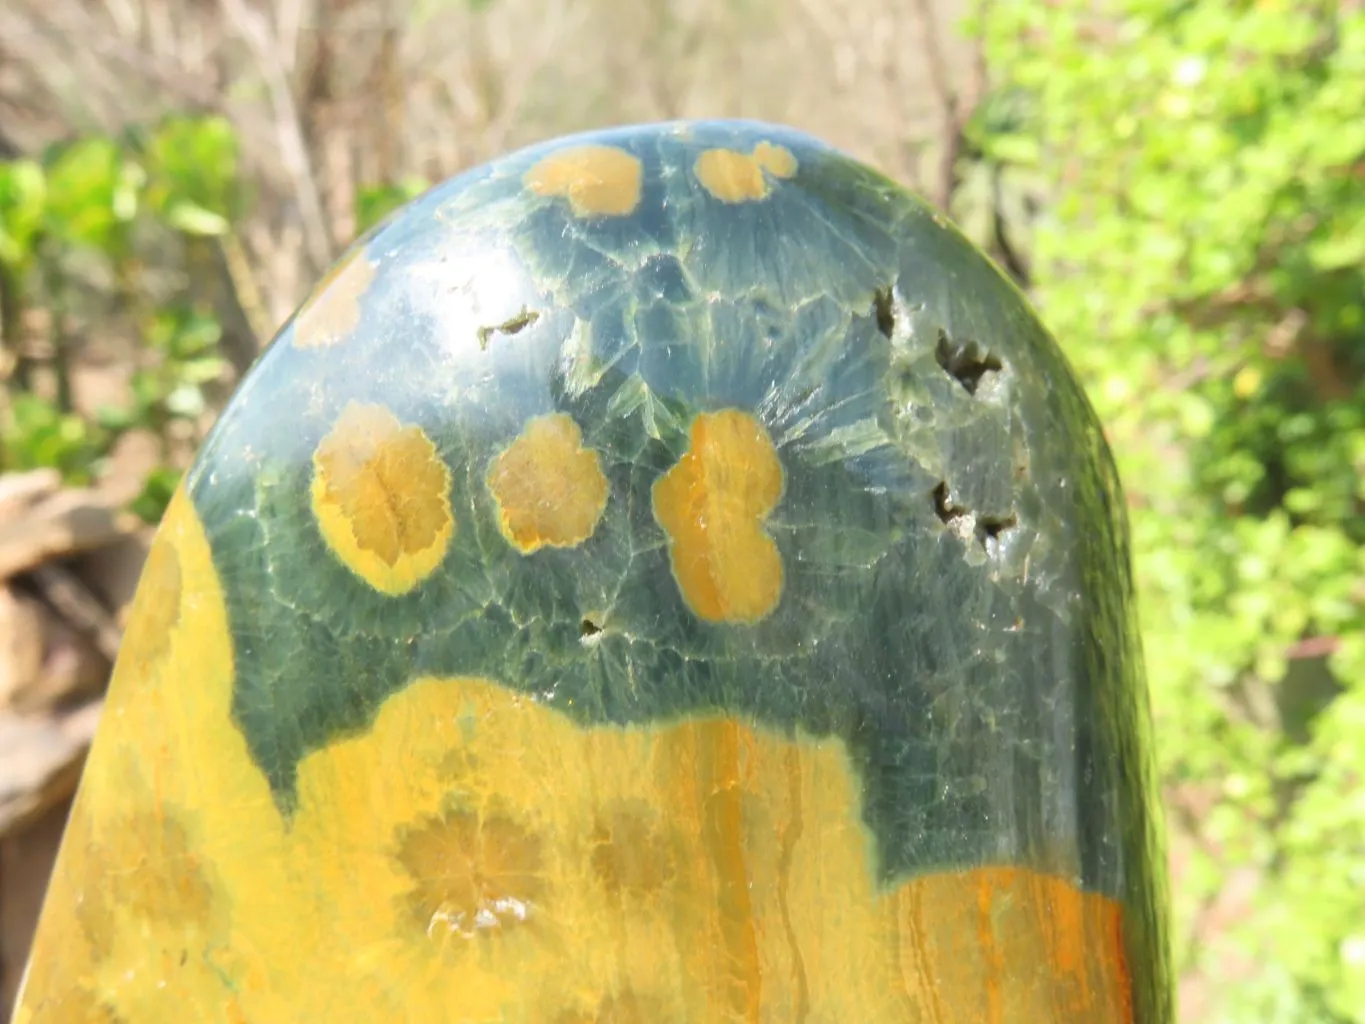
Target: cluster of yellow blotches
column 381, row 493
column 381, row 497
column 474, row 856
column 604, row 181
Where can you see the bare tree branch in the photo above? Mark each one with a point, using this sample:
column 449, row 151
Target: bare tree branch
column 531, row 61
column 188, row 92
column 294, row 150
column 951, row 118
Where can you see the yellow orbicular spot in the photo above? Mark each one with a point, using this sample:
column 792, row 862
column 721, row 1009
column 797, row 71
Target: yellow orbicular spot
column 713, row 506
column 471, row 871
column 333, row 310
column 735, row 177
column 549, row 489
column 381, row 496
column 598, row 181
column 177, row 896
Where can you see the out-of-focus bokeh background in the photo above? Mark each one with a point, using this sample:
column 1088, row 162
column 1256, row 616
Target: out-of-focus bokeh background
column 1180, row 187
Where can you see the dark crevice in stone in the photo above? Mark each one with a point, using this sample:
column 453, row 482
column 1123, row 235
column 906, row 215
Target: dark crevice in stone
column 961, row 520
column 514, row 325
column 883, row 304
column 589, row 631
column 993, row 528
column 944, row 507
column 989, row 531
column 966, row 362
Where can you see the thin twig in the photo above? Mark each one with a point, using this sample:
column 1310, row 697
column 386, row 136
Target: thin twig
column 189, row 92
column 952, row 121
column 237, row 268
column 529, row 63
column 294, row 151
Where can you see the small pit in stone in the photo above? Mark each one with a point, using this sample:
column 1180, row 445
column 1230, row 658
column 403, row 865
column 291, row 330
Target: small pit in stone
column 990, row 529
column 993, row 528
column 965, row 361
column 513, row 325
column 883, row 304
column 589, row 631
column 964, row 523
column 944, row 507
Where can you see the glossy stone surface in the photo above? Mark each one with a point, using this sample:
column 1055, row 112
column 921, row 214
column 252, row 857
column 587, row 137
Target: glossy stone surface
column 662, row 575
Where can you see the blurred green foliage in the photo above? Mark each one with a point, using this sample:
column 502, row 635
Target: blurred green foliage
column 375, row 202
column 79, row 229
column 1201, row 256
column 99, row 210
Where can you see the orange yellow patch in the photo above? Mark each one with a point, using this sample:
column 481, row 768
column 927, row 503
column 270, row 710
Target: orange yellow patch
column 1006, row 919
column 735, row 177
column 713, row 505
column 478, row 856
column 478, row 852
column 598, row 181
column 381, row 497
column 549, row 489
column 333, row 310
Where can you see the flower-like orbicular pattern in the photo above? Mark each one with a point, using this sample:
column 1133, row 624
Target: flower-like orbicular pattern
column 471, row 873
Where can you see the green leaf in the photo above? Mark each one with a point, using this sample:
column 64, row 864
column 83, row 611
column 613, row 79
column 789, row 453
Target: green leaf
column 375, row 203
column 193, row 219
column 23, row 197
column 157, row 491
column 1014, row 149
column 116, row 418
column 39, row 435
column 201, row 371
column 1344, row 247
column 194, row 181
column 91, row 194
column 186, row 401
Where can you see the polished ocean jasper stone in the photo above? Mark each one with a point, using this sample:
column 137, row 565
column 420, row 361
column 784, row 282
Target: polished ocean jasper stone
column 666, row 574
